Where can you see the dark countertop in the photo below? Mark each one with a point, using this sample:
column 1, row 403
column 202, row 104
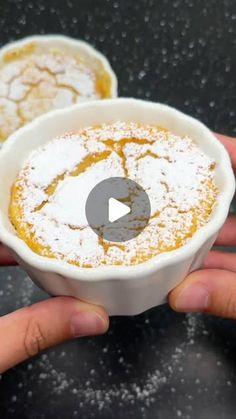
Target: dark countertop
column 159, row 365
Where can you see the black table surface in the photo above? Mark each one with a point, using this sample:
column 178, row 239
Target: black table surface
column 160, row 364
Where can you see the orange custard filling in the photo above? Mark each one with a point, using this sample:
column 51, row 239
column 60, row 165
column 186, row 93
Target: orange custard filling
column 49, row 194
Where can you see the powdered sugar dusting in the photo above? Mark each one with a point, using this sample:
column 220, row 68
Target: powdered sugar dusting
column 47, row 163
column 37, row 81
column 176, row 174
column 60, row 207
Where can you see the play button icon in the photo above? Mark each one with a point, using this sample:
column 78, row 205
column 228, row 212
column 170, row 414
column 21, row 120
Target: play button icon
column 117, row 209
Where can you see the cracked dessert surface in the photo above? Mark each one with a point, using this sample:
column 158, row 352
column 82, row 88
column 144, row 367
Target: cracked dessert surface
column 36, row 79
column 48, row 199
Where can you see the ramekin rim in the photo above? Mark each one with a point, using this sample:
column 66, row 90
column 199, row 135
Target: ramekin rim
column 154, row 264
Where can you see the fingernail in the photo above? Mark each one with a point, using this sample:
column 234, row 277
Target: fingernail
column 87, row 323
column 194, row 297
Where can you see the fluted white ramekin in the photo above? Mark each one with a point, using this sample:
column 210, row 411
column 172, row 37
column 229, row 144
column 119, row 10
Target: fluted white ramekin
column 95, row 59
column 121, row 290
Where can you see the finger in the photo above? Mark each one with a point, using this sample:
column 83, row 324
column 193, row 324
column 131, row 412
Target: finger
column 230, row 145
column 5, row 257
column 30, row 330
column 208, row 290
column 217, row 259
column 227, row 236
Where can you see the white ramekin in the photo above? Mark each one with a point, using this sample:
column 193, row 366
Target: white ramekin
column 94, row 59
column 121, row 290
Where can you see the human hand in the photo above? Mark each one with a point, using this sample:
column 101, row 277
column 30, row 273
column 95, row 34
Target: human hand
column 29, row 330
column 26, row 332
column 213, row 288
column 5, row 257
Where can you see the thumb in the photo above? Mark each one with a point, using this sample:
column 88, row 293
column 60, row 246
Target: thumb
column 30, row 330
column 208, row 290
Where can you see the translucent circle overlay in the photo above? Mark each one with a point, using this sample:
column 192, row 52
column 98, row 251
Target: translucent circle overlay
column 129, row 193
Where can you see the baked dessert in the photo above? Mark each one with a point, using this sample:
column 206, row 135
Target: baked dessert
column 49, row 194
column 204, row 187
column 46, row 73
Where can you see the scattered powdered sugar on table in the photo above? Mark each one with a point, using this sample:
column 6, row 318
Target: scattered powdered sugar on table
column 128, row 392
column 57, row 179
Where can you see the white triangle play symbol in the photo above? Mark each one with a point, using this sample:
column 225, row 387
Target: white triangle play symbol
column 117, row 210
